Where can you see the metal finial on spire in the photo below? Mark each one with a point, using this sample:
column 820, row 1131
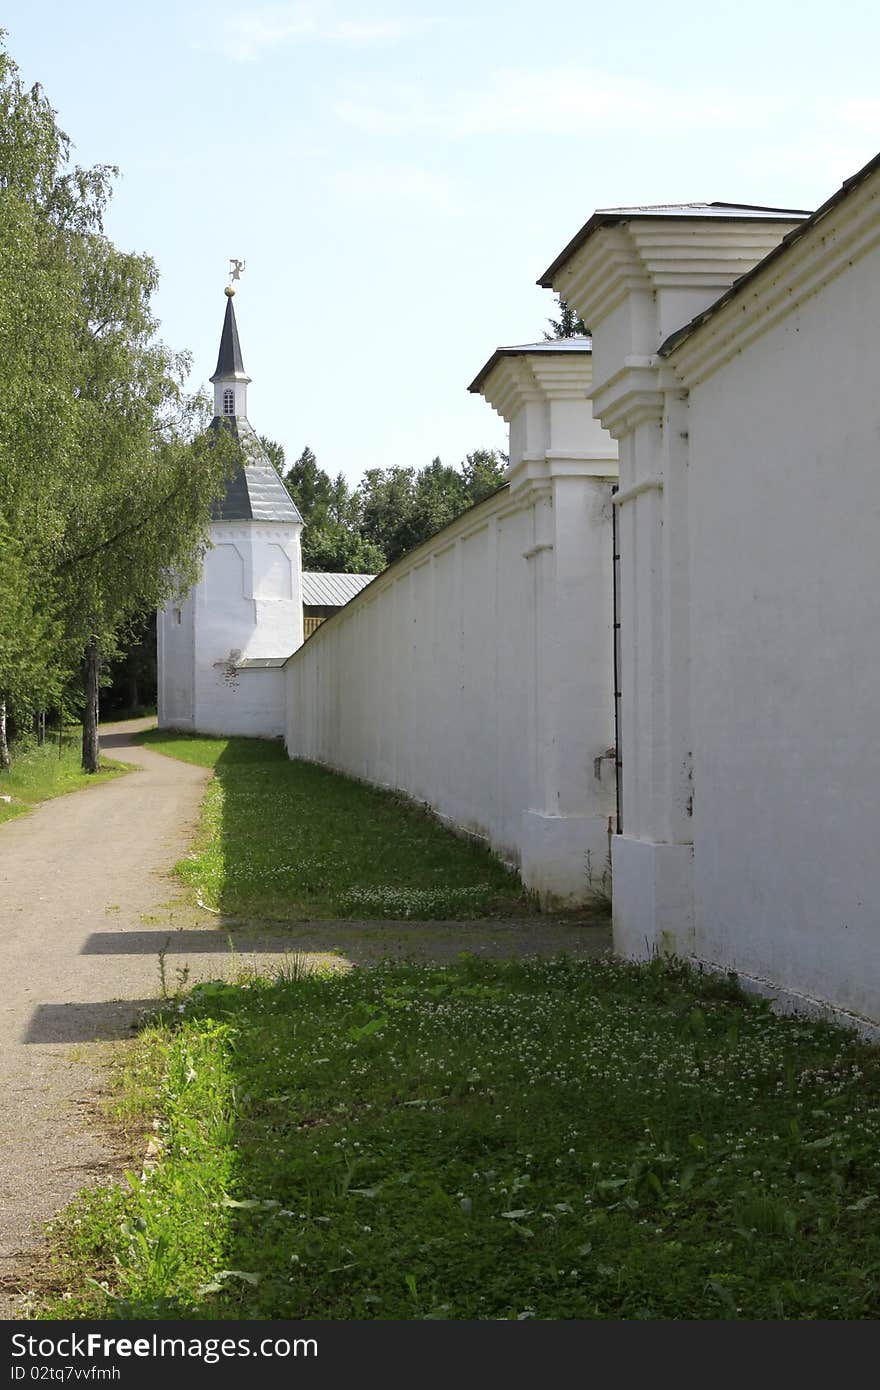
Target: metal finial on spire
column 235, row 268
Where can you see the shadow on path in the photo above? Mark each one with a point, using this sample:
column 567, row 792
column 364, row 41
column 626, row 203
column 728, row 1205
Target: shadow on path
column 198, row 941
column 79, row 1023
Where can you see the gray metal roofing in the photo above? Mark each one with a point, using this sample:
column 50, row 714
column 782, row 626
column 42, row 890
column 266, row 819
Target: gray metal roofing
column 254, row 492
column 260, row 663
column 702, row 210
column 577, row 345
column 847, row 187
column 709, row 212
column 329, row 590
column 229, row 359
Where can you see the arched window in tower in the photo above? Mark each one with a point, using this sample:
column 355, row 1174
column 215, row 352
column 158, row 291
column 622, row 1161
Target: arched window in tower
column 228, row 401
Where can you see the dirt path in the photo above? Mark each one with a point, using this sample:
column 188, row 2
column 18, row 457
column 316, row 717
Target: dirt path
column 86, row 907
column 68, row 871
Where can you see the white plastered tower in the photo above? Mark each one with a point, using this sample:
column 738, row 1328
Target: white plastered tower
column 222, row 647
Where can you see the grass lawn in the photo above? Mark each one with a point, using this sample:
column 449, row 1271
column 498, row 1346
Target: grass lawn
column 488, row 1140
column 290, row 840
column 39, row 773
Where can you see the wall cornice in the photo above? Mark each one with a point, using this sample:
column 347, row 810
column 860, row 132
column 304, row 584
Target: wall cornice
column 540, row 469
column 850, row 232
column 631, row 397
column 601, row 274
column 647, row 255
column 537, row 377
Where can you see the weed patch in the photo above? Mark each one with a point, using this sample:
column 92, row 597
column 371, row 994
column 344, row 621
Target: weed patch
column 489, row 1140
column 37, row 774
column 290, row 840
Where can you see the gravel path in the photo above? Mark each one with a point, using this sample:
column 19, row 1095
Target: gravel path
column 86, row 906
column 70, row 870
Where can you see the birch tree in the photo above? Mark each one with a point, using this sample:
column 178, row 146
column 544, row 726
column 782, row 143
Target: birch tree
column 106, row 477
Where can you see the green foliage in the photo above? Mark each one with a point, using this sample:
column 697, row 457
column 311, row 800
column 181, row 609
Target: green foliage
column 31, row 672
column 568, row 325
column 290, row 840
column 402, row 507
column 130, row 678
column 105, row 482
column 391, row 511
column 275, row 454
column 332, row 537
column 488, row 1140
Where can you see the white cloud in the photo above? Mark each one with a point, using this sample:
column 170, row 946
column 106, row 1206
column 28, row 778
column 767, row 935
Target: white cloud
column 861, row 111
column 247, row 34
column 557, row 101
column 820, row 163
column 378, row 187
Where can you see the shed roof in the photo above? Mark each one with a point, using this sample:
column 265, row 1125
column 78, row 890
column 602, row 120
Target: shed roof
column 331, row 590
column 705, row 212
column 578, row 344
column 254, row 492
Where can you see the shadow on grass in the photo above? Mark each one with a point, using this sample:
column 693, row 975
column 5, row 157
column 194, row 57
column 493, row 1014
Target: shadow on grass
column 292, row 841
column 488, row 1142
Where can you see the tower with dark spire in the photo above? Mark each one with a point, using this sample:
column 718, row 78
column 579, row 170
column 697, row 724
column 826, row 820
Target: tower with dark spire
column 255, row 492
column 230, row 378
column 221, row 649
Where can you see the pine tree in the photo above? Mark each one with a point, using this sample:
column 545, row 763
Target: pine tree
column 568, row 325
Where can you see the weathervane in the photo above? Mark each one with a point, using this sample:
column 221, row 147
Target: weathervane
column 235, row 269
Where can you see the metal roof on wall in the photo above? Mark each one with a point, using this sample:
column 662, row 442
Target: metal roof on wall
column 332, row 590
column 705, row 212
column 790, row 239
column 578, row 344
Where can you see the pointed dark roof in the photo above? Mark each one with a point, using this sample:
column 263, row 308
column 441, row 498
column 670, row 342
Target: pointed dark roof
column 229, row 361
column 254, row 492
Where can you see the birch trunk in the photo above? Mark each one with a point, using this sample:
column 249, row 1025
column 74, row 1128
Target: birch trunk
column 91, row 749
column 4, row 745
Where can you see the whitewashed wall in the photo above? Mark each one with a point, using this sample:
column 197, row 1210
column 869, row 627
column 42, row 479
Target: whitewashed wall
column 476, row 674
column 750, row 566
column 784, row 493
column 247, row 604
column 430, row 682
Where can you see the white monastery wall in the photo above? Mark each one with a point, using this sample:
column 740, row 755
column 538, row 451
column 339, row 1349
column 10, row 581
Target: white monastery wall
column 749, row 511
column 430, row 682
column 476, row 673
column 785, row 569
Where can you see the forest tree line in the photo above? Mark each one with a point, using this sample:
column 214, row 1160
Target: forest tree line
column 361, row 529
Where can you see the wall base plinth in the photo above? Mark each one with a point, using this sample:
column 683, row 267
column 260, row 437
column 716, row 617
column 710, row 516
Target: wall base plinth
column 565, row 858
column 653, row 898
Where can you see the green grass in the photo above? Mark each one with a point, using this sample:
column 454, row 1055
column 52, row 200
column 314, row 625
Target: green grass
column 544, row 1139
column 39, row 773
column 290, row 840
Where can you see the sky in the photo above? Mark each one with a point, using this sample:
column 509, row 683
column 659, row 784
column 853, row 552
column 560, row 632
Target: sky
column 396, row 176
